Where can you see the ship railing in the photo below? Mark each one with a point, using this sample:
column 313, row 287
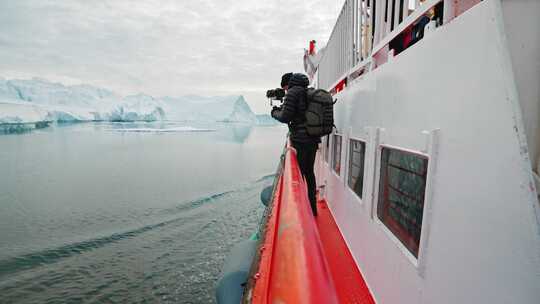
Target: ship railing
column 290, row 248
column 363, row 33
column 339, row 53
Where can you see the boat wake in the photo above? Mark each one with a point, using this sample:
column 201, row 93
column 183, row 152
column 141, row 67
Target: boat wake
column 52, row 255
column 49, row 256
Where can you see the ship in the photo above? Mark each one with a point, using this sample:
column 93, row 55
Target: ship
column 427, row 187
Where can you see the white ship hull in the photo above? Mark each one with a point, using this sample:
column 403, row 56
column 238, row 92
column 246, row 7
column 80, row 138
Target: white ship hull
column 465, row 97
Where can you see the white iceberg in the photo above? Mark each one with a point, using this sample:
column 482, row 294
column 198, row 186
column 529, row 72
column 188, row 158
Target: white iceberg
column 232, row 109
column 265, row 119
column 209, row 109
column 73, row 103
column 134, row 108
column 18, row 118
column 41, row 100
column 13, row 113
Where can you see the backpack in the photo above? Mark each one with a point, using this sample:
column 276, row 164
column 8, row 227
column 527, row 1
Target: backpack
column 319, row 113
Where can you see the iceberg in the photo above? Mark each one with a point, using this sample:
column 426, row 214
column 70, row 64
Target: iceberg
column 209, row 109
column 135, row 108
column 59, row 103
column 74, row 103
column 38, row 100
column 266, row 120
column 13, row 113
column 19, row 118
column 43, row 92
column 233, row 109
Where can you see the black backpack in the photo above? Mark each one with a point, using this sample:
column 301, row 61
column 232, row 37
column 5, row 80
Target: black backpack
column 319, row 112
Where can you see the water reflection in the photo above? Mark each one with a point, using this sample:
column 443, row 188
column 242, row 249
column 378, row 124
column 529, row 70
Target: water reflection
column 227, row 132
column 91, row 212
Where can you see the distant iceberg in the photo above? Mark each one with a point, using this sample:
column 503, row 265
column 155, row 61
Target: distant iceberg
column 39, row 100
column 265, row 119
column 233, row 109
column 13, row 113
column 19, row 118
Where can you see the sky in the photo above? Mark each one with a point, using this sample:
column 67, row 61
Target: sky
column 163, row 47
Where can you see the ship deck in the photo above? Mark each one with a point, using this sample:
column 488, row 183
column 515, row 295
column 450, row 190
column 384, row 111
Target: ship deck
column 348, row 281
column 303, row 259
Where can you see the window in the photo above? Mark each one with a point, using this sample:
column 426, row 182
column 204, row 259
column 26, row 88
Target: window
column 402, row 189
column 357, row 152
column 336, row 161
column 326, row 148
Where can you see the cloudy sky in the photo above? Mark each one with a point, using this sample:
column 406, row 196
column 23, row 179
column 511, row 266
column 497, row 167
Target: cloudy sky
column 162, row 47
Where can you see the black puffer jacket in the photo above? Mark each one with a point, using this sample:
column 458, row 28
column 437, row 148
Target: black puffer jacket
column 293, row 109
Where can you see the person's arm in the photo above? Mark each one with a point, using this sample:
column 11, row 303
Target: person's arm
column 287, row 111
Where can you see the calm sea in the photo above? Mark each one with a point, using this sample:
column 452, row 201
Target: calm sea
column 129, row 213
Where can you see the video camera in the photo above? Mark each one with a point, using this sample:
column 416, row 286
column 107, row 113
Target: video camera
column 275, row 94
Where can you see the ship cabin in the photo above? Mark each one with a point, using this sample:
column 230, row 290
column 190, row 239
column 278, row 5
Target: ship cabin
column 428, row 185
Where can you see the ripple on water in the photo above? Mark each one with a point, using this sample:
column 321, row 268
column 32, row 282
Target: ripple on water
column 174, row 260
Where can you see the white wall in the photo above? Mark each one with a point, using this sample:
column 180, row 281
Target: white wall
column 522, row 27
column 480, row 236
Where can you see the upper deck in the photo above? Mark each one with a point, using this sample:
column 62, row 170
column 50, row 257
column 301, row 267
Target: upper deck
column 371, row 33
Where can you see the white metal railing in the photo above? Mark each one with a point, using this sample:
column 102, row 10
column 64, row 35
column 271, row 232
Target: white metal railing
column 365, row 27
column 338, row 55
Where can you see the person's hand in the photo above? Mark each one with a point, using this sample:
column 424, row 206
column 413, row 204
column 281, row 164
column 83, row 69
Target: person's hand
column 274, row 109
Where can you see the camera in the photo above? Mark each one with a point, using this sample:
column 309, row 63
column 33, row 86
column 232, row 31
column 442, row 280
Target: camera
column 276, row 94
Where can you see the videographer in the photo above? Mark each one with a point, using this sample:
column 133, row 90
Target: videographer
column 292, row 112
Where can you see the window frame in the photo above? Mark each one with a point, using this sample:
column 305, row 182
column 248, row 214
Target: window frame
column 333, row 165
column 416, row 261
column 326, row 149
column 364, row 166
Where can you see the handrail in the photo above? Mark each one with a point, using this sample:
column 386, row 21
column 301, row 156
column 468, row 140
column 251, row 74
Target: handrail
column 339, row 52
column 293, row 267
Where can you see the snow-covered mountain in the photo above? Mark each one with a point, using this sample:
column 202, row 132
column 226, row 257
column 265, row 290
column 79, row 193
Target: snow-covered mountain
column 41, row 100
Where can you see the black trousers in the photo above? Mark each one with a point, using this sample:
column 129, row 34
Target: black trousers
column 305, row 153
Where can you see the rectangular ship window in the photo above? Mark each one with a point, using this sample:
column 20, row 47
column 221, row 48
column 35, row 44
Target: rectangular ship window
column 357, row 152
column 336, row 153
column 402, row 188
column 326, row 148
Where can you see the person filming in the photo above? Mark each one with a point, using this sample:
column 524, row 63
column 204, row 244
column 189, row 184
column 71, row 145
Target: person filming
column 292, row 112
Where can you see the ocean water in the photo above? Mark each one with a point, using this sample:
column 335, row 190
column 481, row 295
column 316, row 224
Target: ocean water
column 128, row 213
